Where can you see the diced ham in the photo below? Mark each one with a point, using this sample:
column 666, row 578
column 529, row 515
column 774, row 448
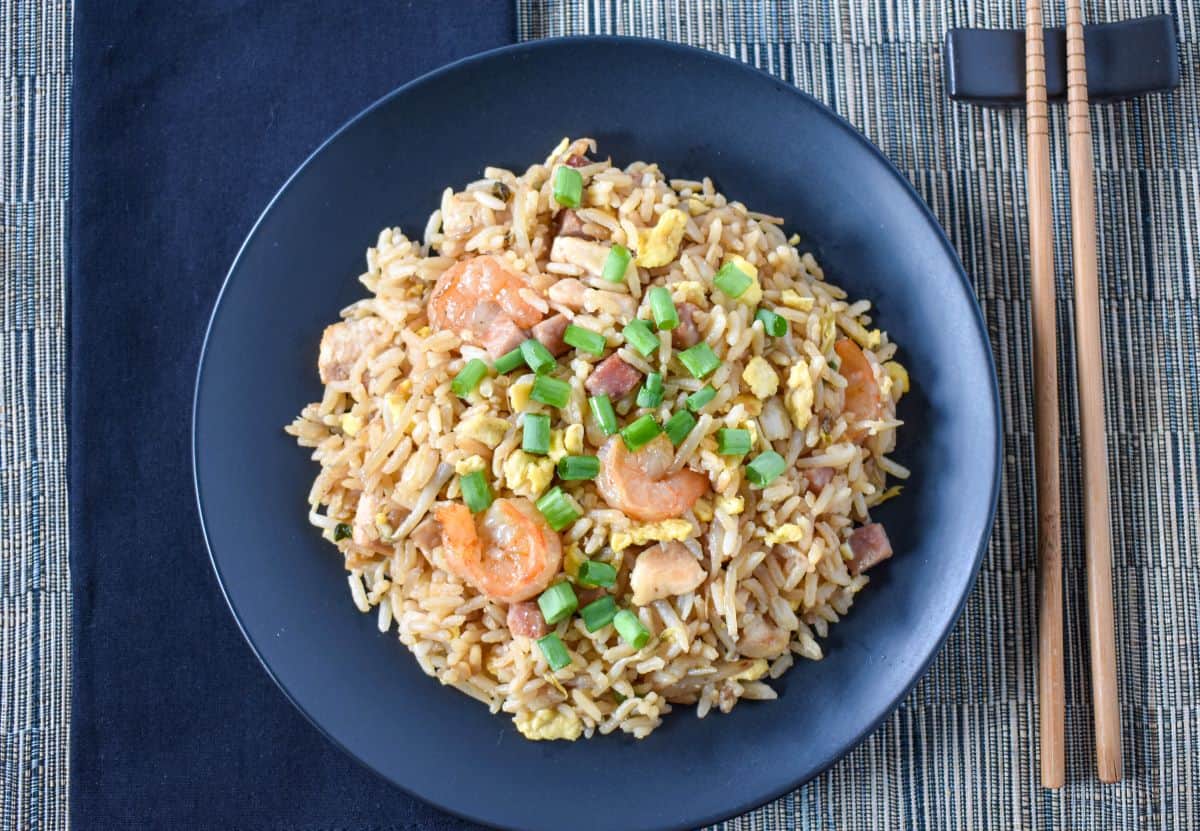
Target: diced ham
column 612, row 377
column 578, row 160
column 588, row 595
column 343, row 343
column 550, row 333
column 568, row 224
column 502, row 336
column 870, row 546
column 525, row 619
column 686, row 333
column 818, row 478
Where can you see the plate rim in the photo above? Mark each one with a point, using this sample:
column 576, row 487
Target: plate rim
column 853, row 134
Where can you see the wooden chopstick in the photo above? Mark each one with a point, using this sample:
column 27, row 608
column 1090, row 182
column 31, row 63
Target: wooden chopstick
column 1097, row 536
column 1045, row 402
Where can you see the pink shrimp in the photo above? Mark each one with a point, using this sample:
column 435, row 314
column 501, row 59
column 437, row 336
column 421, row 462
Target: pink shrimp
column 482, row 297
column 640, row 485
column 510, row 555
column 863, row 400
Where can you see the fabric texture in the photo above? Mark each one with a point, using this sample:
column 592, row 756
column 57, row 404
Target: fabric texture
column 162, row 93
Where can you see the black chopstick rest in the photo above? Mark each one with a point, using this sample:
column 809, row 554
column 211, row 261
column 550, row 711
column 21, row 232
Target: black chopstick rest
column 1124, row 59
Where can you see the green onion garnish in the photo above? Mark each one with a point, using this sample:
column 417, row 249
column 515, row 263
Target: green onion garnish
column 468, row 377
column 640, row 432
column 616, row 264
column 571, row 468
column 568, row 187
column 599, row 613
column 696, row 401
column 638, row 335
column 732, row 280
column 700, row 360
column 584, row 339
column 773, row 324
column 594, row 573
column 556, row 654
column 558, row 602
column 631, row 629
column 537, row 357
column 551, row 391
column 663, row 308
column 678, row 426
column 475, row 491
column 733, row 442
column 602, row 410
column 535, row 436
column 651, row 393
column 559, row 509
column 765, row 468
column 342, row 531
column 509, row 361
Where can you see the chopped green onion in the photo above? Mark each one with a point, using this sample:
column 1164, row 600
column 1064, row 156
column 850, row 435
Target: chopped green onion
column 616, row 264
column 733, row 442
column 602, row 410
column 732, row 280
column 555, row 653
column 696, row 401
column 599, row 613
column 475, row 491
column 663, row 308
column 535, row 436
column 700, row 360
column 537, row 356
column 571, row 468
column 342, row 531
column 640, row 432
column 559, row 509
column 678, row 426
column 509, row 361
column 584, row 339
column 765, row 468
column 773, row 324
column 551, row 391
column 638, row 335
column 468, row 377
column 630, row 628
column 558, row 602
column 568, row 187
column 595, row 573
column 651, row 393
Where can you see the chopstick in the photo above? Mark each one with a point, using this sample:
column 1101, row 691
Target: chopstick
column 1097, row 536
column 1045, row 402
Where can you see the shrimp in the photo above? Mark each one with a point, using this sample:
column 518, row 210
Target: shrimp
column 510, row 555
column 483, row 297
column 639, row 484
column 863, row 400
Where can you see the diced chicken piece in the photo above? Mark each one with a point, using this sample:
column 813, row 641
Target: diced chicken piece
column 525, row 620
column 760, row 639
column 550, row 333
column 568, row 224
column 612, row 377
column 502, row 336
column 818, row 478
column 870, row 546
column 686, row 333
column 365, row 530
column 588, row 255
column 774, row 420
column 427, row 536
column 569, row 292
column 577, row 160
column 462, row 215
column 343, row 343
column 665, row 570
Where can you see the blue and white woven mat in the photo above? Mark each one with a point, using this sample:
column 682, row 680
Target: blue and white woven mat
column 960, row 753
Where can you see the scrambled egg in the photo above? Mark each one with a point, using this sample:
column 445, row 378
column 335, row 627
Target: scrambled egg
column 469, row 465
column 828, row 332
column 899, row 375
column 518, row 393
column 691, row 291
column 668, row 529
column 794, row 300
column 760, row 377
column 751, row 404
column 483, row 428
column 757, row 669
column 703, row 510
column 696, row 206
column 732, row 505
column 890, row 493
column 752, row 296
column 573, row 557
column 799, row 400
column 548, row 725
column 657, row 246
column 351, row 424
column 395, row 404
column 788, row 532
column 566, row 443
column 527, row 475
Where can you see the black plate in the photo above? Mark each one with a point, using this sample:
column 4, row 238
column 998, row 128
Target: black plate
column 696, row 114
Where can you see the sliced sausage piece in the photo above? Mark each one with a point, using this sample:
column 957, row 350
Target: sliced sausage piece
column 570, row 225
column 870, row 546
column 525, row 619
column 343, row 343
column 550, row 333
column 686, row 333
column 502, row 336
column 612, row 377
column 818, row 478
